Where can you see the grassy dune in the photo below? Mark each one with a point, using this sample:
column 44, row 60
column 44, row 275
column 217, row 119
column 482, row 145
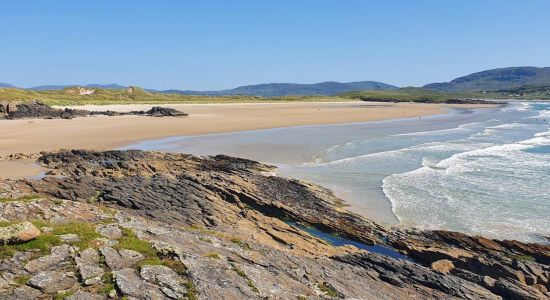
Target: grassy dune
column 140, row 96
column 136, row 95
column 411, row 94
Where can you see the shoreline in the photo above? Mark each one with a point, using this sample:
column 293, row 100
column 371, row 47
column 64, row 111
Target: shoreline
column 103, row 133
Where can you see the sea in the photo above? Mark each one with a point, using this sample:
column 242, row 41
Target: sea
column 478, row 171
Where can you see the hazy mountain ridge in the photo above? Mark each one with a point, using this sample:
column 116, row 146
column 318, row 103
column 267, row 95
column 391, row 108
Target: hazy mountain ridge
column 292, row 89
column 501, row 79
column 496, row 79
column 328, row 88
column 113, row 86
column 6, row 85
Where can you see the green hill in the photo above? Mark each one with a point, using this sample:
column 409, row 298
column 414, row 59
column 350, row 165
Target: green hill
column 496, row 79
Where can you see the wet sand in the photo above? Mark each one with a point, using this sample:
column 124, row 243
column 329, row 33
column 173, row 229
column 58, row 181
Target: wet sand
column 19, row 169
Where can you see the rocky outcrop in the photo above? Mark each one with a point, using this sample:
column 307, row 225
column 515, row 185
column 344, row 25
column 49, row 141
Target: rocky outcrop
column 158, row 111
column 192, row 190
column 222, row 228
column 36, row 109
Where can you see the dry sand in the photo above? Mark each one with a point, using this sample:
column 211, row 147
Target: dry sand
column 32, row 136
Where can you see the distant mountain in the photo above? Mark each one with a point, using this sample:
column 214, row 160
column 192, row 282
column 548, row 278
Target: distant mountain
column 113, row 86
column 292, row 89
column 496, row 79
column 6, row 85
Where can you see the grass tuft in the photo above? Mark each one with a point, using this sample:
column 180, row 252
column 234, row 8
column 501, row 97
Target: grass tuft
column 108, row 283
column 130, row 241
column 22, row 280
column 45, row 241
column 213, row 255
column 26, row 198
column 173, row 264
column 192, row 293
column 239, row 242
column 63, row 295
column 524, row 258
column 252, row 286
column 328, row 290
column 86, row 232
column 205, row 239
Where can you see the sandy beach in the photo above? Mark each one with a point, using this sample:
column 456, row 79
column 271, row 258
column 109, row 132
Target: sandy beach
column 35, row 135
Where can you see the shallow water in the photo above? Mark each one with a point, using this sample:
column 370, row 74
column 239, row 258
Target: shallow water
column 337, row 240
column 476, row 171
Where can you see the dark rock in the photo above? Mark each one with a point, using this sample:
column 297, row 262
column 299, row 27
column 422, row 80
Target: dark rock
column 158, row 111
column 36, row 109
column 400, row 272
column 509, row 290
column 186, row 188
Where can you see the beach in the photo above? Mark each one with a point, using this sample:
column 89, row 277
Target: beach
column 35, row 135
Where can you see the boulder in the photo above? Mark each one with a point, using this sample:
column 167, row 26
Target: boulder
column 117, row 260
column 130, row 284
column 25, row 292
column 87, row 263
column 59, row 256
column 18, row 233
column 11, row 107
column 109, row 231
column 170, row 283
column 52, row 281
column 70, row 238
column 158, row 111
column 442, row 266
column 80, row 295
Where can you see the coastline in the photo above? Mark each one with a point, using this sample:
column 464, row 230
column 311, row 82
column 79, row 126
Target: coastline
column 101, row 133
column 225, row 214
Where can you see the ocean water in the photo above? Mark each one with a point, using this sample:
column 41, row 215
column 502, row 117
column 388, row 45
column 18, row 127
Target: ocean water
column 476, row 171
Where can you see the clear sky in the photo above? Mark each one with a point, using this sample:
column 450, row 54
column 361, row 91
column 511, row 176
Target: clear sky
column 207, row 44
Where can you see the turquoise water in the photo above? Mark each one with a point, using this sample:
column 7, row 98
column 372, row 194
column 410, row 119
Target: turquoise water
column 475, row 171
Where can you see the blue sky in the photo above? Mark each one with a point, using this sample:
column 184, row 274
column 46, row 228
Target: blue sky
column 205, row 44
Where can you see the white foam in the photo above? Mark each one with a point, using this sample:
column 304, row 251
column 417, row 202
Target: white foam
column 500, row 191
column 461, row 128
